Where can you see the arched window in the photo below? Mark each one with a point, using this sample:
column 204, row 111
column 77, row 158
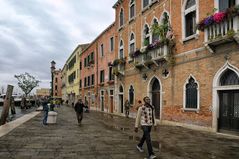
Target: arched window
column 121, row 17
column 131, row 43
column 155, row 35
column 146, row 35
column 121, row 90
column 156, row 86
column 229, row 77
column 132, row 9
column 190, row 15
column 131, row 95
column 121, row 49
column 191, row 94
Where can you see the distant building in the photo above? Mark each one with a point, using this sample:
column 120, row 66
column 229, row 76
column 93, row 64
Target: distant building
column 72, row 74
column 63, row 86
column 43, row 92
column 57, row 84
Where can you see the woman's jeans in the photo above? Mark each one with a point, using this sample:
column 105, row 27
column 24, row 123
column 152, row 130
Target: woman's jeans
column 146, row 136
column 45, row 117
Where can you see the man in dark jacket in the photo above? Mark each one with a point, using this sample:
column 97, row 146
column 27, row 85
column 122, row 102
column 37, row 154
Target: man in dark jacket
column 45, row 109
column 79, row 110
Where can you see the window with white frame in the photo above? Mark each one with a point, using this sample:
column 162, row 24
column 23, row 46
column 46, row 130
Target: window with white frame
column 145, row 3
column 121, row 18
column 121, row 49
column 191, row 94
column 155, row 35
column 224, row 4
column 190, row 15
column 102, row 76
column 146, row 35
column 131, row 43
column 131, row 95
column 132, row 9
column 111, row 75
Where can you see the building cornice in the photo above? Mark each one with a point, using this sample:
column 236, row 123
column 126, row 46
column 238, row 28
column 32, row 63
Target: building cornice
column 83, row 46
column 102, row 33
column 117, row 3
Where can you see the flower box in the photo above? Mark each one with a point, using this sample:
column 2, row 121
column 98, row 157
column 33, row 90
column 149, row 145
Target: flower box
column 217, row 18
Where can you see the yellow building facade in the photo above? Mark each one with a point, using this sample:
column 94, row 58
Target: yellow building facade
column 43, row 92
column 72, row 74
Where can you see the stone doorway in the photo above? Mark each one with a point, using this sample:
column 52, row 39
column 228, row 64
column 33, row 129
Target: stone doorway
column 155, row 95
column 121, row 99
column 229, row 110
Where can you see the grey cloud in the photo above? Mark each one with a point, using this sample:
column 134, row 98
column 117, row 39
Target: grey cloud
column 34, row 32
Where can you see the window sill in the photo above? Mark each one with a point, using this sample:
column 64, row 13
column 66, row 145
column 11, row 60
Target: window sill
column 153, row 2
column 121, row 28
column 130, row 60
column 132, row 19
column 191, row 37
column 190, row 110
column 145, row 9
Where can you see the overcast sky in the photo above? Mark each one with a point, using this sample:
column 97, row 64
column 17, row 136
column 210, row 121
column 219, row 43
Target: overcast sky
column 35, row 32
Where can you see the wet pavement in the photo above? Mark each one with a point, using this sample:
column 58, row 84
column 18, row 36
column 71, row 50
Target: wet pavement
column 104, row 136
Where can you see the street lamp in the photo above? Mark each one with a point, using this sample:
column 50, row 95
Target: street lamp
column 53, row 63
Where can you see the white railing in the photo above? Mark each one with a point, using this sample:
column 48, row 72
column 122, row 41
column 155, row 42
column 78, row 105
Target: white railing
column 159, row 52
column 222, row 29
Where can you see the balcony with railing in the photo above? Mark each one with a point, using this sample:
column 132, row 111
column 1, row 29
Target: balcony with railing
column 151, row 54
column 220, row 28
column 119, row 66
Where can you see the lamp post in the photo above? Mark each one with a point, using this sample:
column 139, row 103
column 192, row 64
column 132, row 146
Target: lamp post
column 53, row 63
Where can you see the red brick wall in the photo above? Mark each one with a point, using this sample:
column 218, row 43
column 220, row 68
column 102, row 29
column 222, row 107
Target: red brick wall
column 201, row 64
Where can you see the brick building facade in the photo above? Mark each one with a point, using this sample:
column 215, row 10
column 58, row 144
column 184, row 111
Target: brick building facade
column 57, row 84
column 183, row 69
column 96, row 71
column 155, row 48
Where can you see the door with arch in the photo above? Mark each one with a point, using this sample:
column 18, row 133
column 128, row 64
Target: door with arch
column 121, row 99
column 155, row 89
column 229, row 102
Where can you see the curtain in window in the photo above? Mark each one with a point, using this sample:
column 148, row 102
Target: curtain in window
column 190, row 19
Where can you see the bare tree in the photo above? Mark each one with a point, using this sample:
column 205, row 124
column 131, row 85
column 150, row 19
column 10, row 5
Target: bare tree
column 2, row 90
column 26, row 82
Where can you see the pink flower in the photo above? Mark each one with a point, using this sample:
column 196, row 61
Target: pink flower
column 218, row 17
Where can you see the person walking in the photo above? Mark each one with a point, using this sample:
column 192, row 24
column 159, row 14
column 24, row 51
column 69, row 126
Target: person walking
column 45, row 109
column 79, row 110
column 146, row 118
column 126, row 108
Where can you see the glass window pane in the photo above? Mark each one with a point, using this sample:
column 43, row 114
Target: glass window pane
column 191, row 94
column 229, row 77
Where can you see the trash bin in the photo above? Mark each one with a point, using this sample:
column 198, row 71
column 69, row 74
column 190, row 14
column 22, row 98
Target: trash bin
column 51, row 119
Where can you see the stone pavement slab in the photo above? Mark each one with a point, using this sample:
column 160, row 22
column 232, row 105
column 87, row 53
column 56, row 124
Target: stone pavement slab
column 103, row 136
